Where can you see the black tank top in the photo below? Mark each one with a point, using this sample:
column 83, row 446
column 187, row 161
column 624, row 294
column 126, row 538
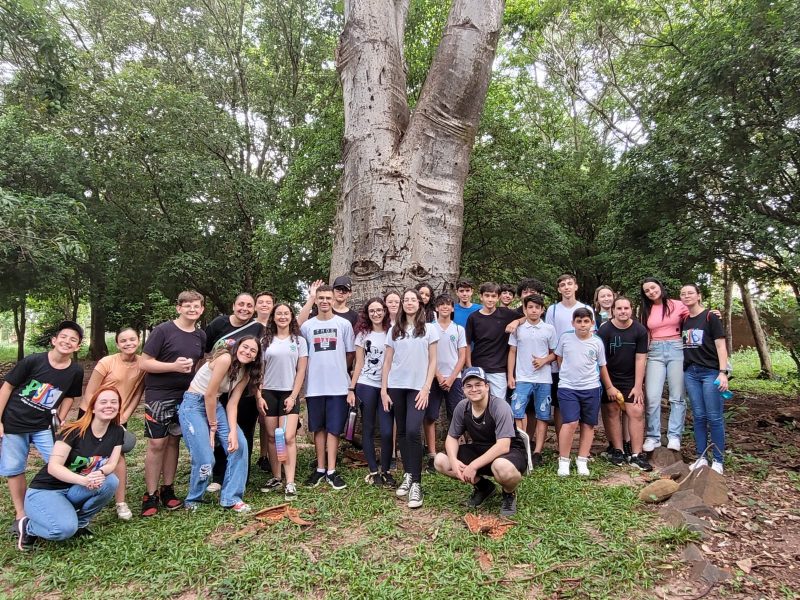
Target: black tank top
column 482, row 430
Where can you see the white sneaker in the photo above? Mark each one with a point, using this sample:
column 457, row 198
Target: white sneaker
column 716, row 466
column 404, row 487
column 213, row 487
column 700, row 462
column 563, row 466
column 582, row 462
column 650, row 444
column 415, row 496
column 124, row 511
column 674, row 444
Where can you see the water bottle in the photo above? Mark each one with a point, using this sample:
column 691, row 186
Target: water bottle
column 280, row 442
column 727, row 394
column 351, row 424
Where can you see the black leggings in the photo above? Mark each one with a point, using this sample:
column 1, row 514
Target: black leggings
column 409, row 430
column 246, row 418
column 372, row 407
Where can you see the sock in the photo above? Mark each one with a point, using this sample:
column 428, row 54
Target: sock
column 320, row 470
column 331, row 472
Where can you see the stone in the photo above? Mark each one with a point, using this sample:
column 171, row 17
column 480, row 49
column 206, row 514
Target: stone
column 676, row 471
column 692, row 553
column 688, row 501
column 708, row 485
column 678, row 518
column 658, row 491
column 664, row 457
column 708, row 573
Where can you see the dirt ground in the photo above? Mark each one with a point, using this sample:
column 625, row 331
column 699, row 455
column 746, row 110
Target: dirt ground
column 758, row 542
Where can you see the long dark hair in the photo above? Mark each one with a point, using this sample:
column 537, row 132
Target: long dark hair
column 271, row 329
column 402, row 323
column 364, row 323
column 253, row 370
column 427, row 306
column 646, row 304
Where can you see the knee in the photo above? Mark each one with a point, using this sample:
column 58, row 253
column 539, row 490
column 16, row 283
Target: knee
column 156, row 446
column 505, row 473
column 63, row 531
column 441, row 463
column 111, row 483
column 205, row 470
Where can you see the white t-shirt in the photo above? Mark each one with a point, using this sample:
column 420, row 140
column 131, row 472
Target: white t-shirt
column 328, row 344
column 560, row 317
column 374, row 345
column 410, row 362
column 533, row 340
column 580, row 369
column 451, row 340
column 280, row 363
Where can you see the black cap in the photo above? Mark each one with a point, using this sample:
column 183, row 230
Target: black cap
column 343, row 281
column 70, row 325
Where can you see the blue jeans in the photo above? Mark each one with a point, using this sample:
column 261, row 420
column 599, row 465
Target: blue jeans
column 372, row 406
column 196, row 434
column 665, row 363
column 58, row 514
column 14, row 448
column 524, row 392
column 707, row 409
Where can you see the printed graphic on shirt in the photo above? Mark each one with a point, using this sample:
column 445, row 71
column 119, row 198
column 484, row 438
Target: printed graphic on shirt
column 83, row 465
column 692, row 338
column 373, row 360
column 42, row 396
column 324, row 339
column 617, row 344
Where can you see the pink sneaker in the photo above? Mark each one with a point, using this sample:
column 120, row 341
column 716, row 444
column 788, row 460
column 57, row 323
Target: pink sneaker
column 240, row 507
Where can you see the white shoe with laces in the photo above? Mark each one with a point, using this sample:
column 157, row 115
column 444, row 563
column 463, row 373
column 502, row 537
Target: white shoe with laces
column 124, row 511
column 563, row 466
column 582, row 462
column 717, row 466
column 415, row 496
column 674, row 444
column 700, row 462
column 650, row 444
column 404, row 487
column 213, row 487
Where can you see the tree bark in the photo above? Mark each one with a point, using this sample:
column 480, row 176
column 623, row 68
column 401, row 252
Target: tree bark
column 97, row 340
column 400, row 215
column 727, row 310
column 20, row 325
column 762, row 346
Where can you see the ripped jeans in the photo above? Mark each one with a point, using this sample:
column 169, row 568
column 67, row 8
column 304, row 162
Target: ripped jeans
column 197, row 435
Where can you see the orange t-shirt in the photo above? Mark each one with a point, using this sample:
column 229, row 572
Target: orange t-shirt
column 127, row 377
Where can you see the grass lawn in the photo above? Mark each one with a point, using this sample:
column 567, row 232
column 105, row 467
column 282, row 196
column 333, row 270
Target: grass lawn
column 583, row 538
column 746, row 367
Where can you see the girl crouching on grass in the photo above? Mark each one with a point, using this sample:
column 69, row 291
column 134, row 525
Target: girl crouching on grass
column 203, row 419
column 79, row 479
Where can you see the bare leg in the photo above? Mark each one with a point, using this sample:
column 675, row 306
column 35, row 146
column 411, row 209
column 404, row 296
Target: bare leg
column 16, row 487
column 262, row 436
column 430, row 435
column 586, row 438
column 565, row 436
column 272, row 424
column 612, row 424
column 291, row 448
column 506, row 475
column 170, row 465
column 635, row 413
column 333, row 448
column 153, row 462
column 319, row 448
column 541, row 434
column 122, row 474
column 558, row 422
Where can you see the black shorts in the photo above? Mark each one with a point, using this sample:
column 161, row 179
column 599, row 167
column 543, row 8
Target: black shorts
column 554, row 391
column 275, row 403
column 161, row 418
column 469, row 452
column 604, row 399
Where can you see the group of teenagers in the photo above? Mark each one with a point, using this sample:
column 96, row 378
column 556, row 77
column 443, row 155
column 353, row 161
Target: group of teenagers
column 503, row 374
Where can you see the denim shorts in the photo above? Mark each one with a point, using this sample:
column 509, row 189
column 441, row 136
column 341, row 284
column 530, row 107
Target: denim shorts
column 14, row 448
column 524, row 393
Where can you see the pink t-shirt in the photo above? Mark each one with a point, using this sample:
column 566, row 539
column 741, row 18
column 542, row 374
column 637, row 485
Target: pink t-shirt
column 666, row 328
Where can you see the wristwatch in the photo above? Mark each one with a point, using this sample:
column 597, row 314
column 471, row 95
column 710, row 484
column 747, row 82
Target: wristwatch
column 725, row 371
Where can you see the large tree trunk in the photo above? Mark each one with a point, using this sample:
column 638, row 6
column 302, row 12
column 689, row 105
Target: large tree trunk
column 762, row 347
column 400, row 214
column 97, row 341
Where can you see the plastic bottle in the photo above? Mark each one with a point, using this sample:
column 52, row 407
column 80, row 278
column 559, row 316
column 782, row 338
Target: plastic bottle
column 350, row 429
column 280, row 442
column 727, row 394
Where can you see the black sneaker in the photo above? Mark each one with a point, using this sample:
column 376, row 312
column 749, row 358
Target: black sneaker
column 335, row 481
column 84, row 532
column 168, row 498
column 25, row 540
column 150, row 504
column 640, row 462
column 508, row 504
column 536, row 459
column 263, row 464
column 315, row 478
column 388, row 481
column 429, row 468
column 481, row 491
column 607, row 452
column 616, row 457
column 626, row 448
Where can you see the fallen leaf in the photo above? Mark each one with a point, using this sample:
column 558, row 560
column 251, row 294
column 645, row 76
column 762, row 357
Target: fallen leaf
column 494, row 527
column 484, row 560
column 745, row 565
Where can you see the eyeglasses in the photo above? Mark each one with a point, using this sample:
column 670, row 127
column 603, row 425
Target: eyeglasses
column 342, row 289
column 375, row 311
